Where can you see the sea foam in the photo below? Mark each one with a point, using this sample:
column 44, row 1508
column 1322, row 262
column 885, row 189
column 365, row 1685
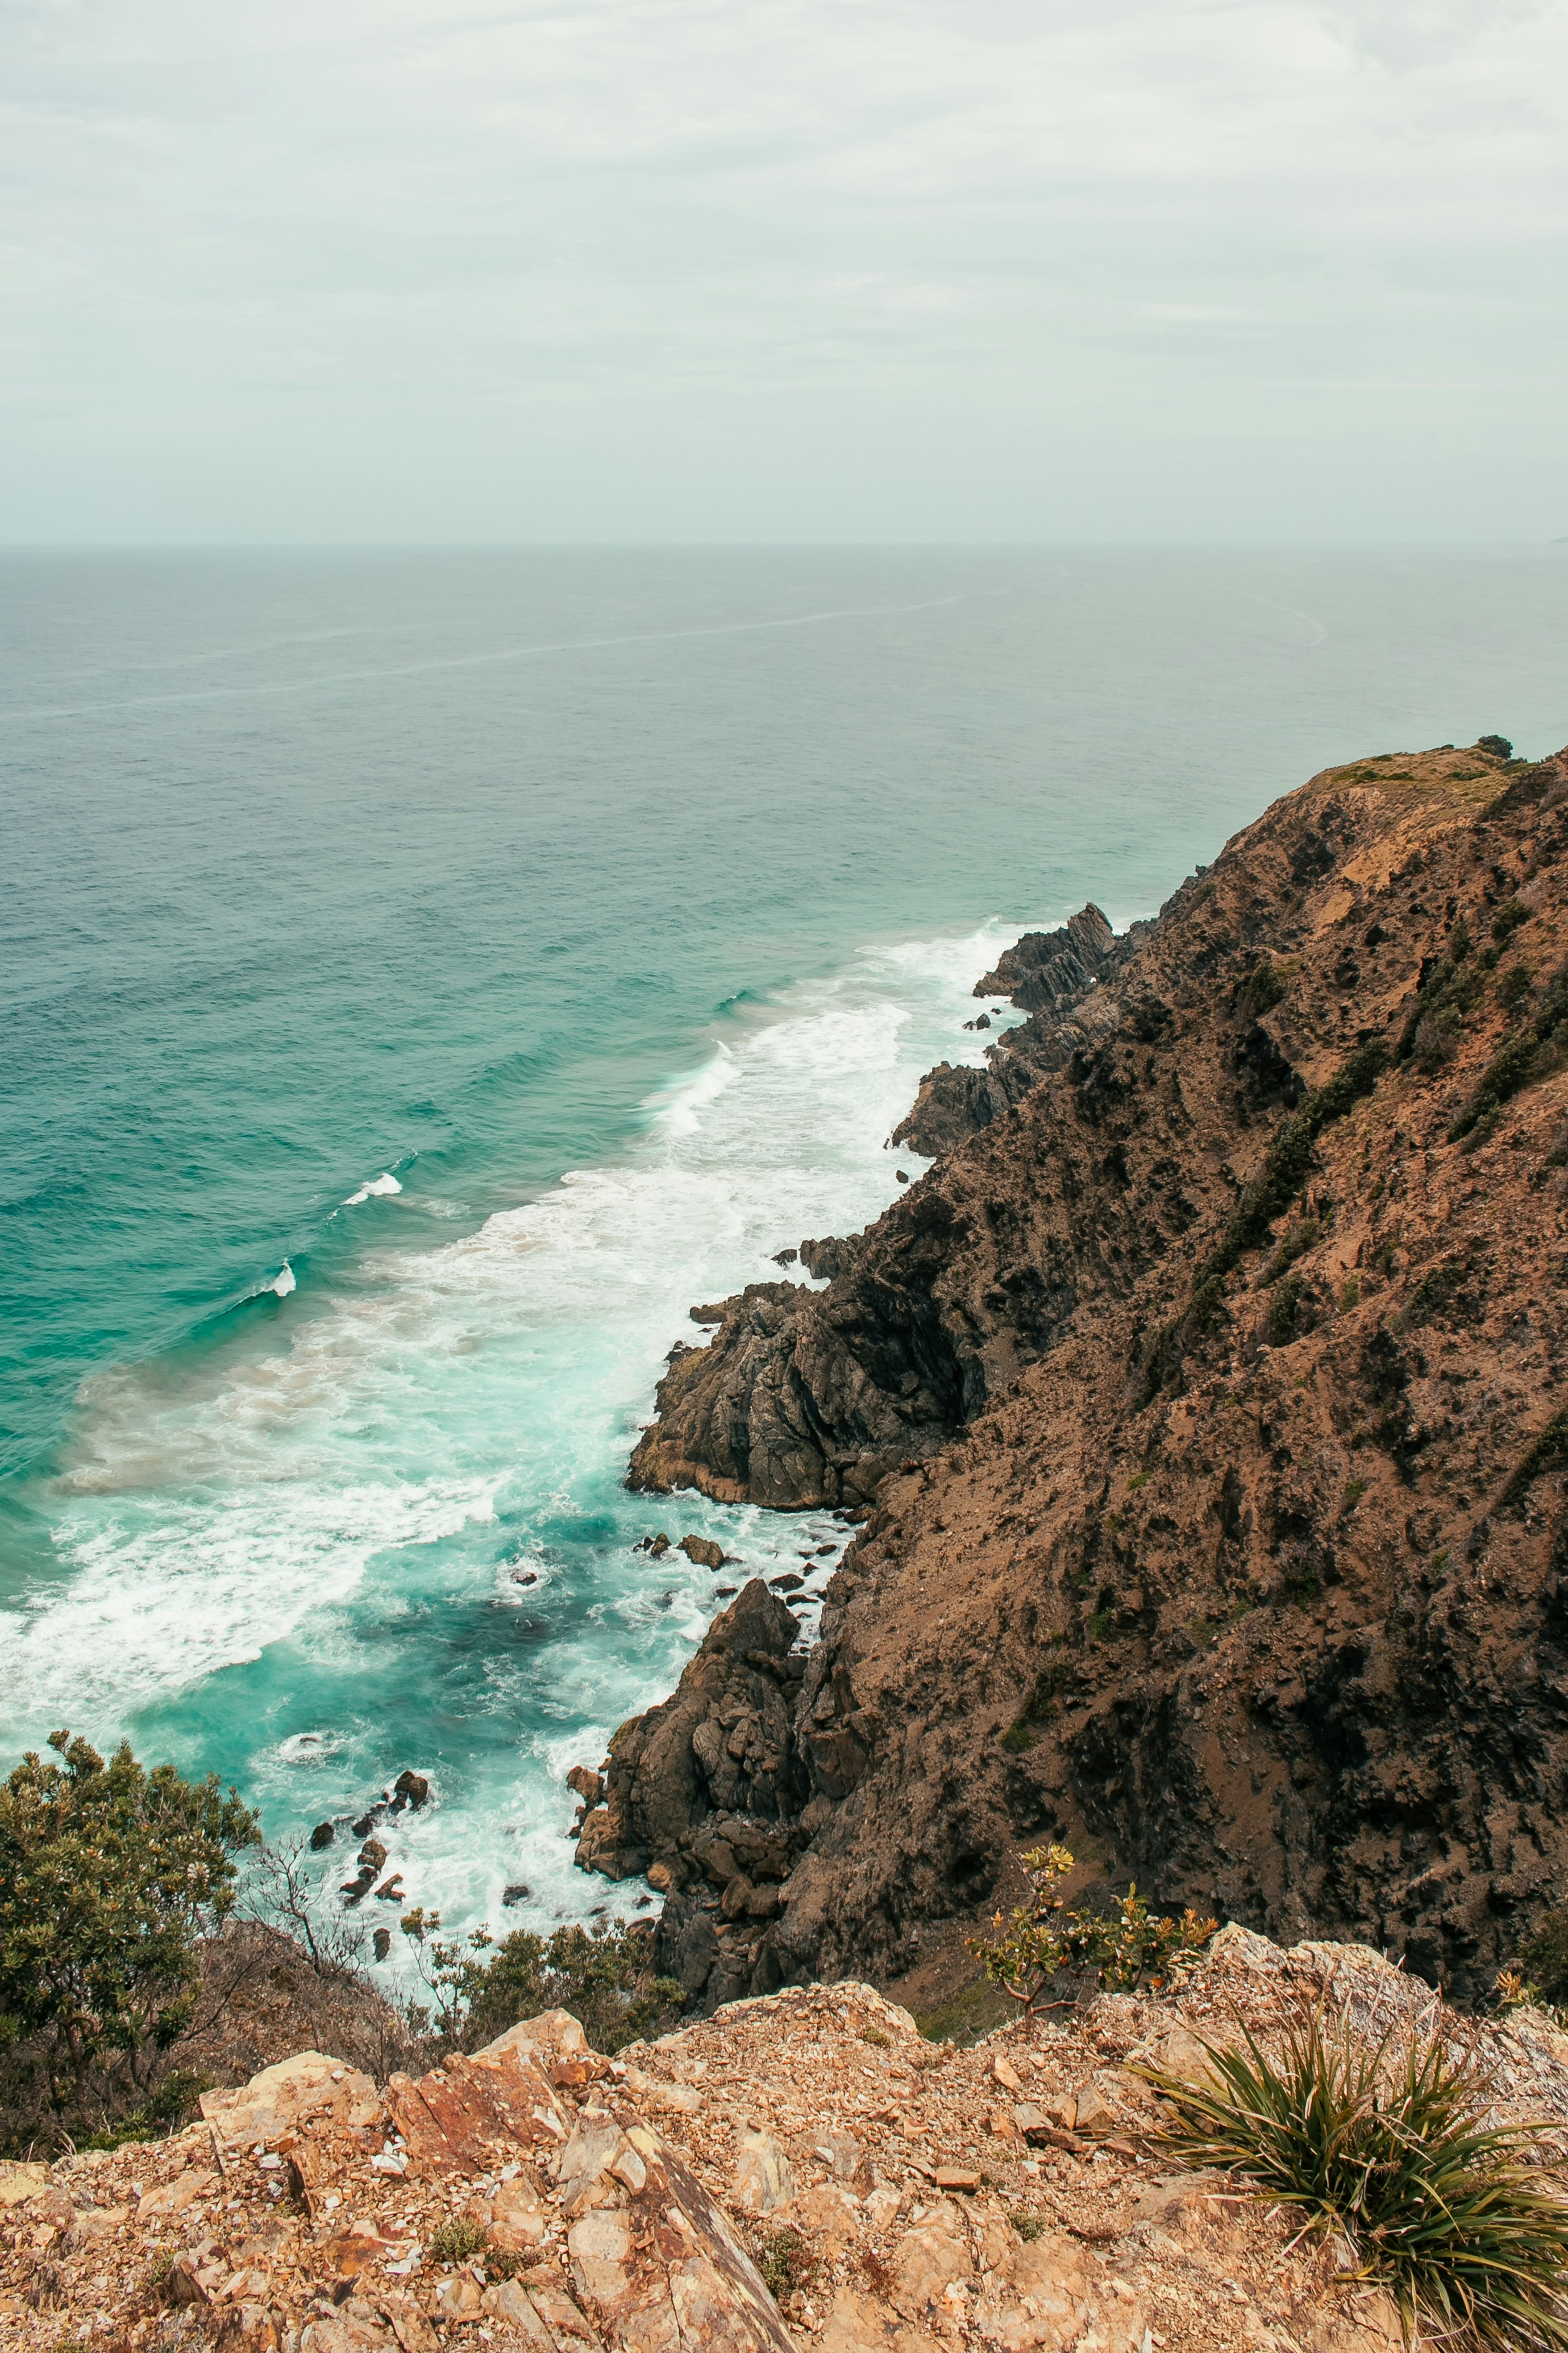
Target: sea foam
column 384, row 1183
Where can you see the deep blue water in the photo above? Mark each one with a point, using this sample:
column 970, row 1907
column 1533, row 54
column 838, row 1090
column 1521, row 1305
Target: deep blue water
column 611, row 904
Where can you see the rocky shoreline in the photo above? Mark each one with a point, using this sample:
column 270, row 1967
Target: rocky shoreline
column 1201, row 1408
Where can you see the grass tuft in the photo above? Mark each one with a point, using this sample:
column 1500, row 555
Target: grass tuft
column 1387, row 2146
column 455, row 2239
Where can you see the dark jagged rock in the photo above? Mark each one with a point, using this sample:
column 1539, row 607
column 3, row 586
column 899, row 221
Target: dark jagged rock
column 1210, row 1400
column 699, row 1784
column 1046, row 971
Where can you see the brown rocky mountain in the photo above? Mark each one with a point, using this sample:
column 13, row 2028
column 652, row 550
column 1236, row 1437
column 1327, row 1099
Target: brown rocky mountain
column 1208, row 1391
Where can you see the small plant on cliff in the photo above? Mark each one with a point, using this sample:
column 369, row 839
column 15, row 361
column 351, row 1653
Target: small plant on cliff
column 109, row 1877
column 1386, row 2145
column 786, row 2261
column 604, row 1976
column 1127, row 1947
column 458, row 2238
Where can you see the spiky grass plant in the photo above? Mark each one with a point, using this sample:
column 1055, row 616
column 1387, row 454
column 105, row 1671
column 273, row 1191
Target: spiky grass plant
column 1386, row 2144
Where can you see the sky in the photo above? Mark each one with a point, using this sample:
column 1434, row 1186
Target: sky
column 617, row 271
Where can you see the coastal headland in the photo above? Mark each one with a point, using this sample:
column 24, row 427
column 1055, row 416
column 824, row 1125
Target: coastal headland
column 1201, row 1410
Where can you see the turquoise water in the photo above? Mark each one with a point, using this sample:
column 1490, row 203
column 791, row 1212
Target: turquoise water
column 508, row 950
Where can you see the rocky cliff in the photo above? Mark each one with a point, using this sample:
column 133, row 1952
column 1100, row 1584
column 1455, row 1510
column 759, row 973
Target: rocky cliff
column 1207, row 1395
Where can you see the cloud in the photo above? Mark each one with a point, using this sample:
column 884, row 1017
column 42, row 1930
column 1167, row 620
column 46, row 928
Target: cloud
column 343, row 270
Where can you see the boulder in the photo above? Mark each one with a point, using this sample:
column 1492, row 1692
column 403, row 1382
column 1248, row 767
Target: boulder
column 701, row 1554
column 18, row 2183
column 654, row 2262
column 588, row 1785
column 188, row 2189
column 762, row 2179
column 858, row 2323
column 473, row 2114
column 310, row 2090
column 458, row 2297
column 723, row 1744
column 322, row 1835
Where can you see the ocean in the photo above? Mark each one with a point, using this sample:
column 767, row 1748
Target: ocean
column 426, row 975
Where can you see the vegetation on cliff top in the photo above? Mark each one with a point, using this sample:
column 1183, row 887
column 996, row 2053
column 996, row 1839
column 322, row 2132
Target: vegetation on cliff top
column 1121, row 1949
column 109, row 1877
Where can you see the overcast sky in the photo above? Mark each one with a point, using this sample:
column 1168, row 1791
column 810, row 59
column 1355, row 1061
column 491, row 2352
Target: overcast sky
column 783, row 269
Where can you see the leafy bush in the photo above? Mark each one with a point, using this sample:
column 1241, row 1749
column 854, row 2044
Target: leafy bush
column 1284, row 1308
column 604, row 1976
column 1498, row 746
column 168, row 2105
column 109, row 1877
column 786, row 2261
column 1548, row 1452
column 1436, row 1040
column 1386, row 2145
column 1261, row 990
column 1121, row 1949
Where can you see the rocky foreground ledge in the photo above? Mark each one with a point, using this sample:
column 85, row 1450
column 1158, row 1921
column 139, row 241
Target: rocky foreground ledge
column 1204, row 1409
column 799, row 2171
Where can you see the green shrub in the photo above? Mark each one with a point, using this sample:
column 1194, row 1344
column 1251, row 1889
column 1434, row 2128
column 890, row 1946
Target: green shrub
column 1514, row 984
column 1121, row 1949
column 1260, row 991
column 785, row 2259
column 171, row 2103
column 1284, row 1307
column 603, row 1975
column 1529, row 1054
column 1548, row 1452
column 1387, row 2146
column 109, row 1877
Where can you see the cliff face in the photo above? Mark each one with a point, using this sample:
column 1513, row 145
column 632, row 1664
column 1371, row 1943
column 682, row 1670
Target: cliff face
column 1209, row 1396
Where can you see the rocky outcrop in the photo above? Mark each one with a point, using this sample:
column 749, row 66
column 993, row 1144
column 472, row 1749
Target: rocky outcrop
column 1210, row 1401
column 708, row 1786
column 801, row 2171
column 1049, row 972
